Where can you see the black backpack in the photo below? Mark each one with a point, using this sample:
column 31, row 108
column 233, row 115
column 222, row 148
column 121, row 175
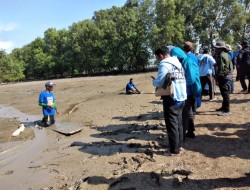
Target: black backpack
column 245, row 60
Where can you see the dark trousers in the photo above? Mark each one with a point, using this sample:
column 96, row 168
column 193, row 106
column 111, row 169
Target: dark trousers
column 188, row 116
column 245, row 71
column 224, row 85
column 173, row 121
column 232, row 86
column 238, row 73
column 48, row 120
column 208, row 80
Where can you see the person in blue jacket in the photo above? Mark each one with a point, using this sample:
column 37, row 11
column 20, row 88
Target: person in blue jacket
column 188, row 48
column 48, row 103
column 131, row 88
column 193, row 83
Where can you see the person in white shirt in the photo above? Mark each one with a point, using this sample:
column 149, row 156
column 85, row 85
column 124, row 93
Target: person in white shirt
column 172, row 104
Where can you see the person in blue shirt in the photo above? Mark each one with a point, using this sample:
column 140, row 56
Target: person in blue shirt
column 206, row 67
column 47, row 101
column 172, row 104
column 131, row 88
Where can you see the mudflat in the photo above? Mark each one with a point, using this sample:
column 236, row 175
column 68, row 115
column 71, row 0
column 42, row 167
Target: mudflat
column 122, row 141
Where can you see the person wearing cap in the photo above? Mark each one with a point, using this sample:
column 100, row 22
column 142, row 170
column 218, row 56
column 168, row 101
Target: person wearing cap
column 131, row 88
column 47, row 101
column 243, row 61
column 224, row 69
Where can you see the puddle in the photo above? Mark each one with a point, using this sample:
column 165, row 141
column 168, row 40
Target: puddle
column 11, row 112
column 28, row 120
column 17, row 157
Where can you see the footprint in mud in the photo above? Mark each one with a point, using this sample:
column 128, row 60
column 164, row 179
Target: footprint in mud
column 9, row 172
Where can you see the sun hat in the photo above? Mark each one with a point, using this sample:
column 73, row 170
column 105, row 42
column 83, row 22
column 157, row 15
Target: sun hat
column 220, row 45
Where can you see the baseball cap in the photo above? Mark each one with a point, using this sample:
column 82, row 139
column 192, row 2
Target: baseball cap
column 49, row 84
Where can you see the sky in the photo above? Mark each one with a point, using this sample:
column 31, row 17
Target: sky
column 22, row 21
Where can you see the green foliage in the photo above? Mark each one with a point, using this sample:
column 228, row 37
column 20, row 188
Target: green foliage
column 123, row 38
column 168, row 25
column 10, row 70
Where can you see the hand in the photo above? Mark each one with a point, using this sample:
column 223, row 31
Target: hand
column 216, row 82
column 57, row 112
column 51, row 105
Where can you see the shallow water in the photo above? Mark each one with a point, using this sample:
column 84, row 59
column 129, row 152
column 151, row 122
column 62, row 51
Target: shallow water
column 17, row 158
column 11, row 112
column 28, row 120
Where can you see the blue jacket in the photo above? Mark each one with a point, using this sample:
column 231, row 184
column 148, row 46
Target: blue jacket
column 192, row 73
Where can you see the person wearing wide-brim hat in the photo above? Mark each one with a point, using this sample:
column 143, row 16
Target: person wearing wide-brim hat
column 220, row 45
column 224, row 69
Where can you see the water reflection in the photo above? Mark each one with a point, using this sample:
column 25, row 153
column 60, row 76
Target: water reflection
column 11, row 112
column 30, row 120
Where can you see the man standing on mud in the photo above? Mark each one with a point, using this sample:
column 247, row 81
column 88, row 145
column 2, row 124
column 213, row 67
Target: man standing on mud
column 172, row 104
column 47, row 101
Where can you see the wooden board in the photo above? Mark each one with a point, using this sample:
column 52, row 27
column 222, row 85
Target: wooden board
column 69, row 132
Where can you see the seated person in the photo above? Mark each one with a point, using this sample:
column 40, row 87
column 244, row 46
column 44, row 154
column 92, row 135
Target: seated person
column 131, row 89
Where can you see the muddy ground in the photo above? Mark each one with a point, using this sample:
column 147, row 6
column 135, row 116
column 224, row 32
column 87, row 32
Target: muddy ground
column 122, row 142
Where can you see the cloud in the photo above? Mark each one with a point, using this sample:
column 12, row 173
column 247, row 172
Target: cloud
column 6, row 45
column 7, row 27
